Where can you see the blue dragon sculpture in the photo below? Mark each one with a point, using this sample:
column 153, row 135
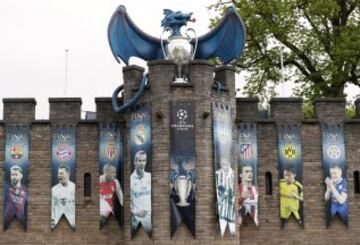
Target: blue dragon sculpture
column 226, row 41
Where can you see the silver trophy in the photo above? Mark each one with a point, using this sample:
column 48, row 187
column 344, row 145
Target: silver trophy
column 183, row 187
column 179, row 49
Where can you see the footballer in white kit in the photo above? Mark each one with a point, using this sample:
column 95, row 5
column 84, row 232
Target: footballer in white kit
column 140, row 183
column 63, row 198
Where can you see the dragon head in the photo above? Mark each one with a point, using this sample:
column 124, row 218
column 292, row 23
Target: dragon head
column 175, row 20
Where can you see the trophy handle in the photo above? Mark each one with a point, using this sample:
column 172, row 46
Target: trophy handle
column 162, row 40
column 189, row 185
column 196, row 40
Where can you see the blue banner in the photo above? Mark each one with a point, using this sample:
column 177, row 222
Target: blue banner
column 333, row 152
column 16, row 175
column 247, row 168
column 224, row 173
column 63, row 168
column 140, row 180
column 290, row 173
column 111, row 170
column 182, row 165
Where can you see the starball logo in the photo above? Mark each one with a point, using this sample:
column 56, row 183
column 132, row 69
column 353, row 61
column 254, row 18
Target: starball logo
column 182, row 124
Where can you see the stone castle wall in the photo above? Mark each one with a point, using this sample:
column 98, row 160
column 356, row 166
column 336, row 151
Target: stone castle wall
column 159, row 94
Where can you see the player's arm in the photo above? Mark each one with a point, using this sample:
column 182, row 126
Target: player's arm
column 119, row 192
column 339, row 196
column 328, row 188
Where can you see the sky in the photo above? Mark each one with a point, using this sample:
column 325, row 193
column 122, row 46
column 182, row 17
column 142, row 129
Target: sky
column 34, row 35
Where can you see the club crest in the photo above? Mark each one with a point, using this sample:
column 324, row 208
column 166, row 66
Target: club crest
column 246, row 151
column 290, row 152
column 334, row 152
column 16, row 152
column 110, row 151
column 63, row 153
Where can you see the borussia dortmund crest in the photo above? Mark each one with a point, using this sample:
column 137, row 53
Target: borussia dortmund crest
column 290, row 152
column 16, row 152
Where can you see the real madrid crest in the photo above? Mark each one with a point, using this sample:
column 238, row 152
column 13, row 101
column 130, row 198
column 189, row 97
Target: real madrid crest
column 140, row 134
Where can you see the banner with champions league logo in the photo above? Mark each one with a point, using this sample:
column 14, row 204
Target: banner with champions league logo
column 224, row 174
column 247, row 168
column 333, row 152
column 111, row 166
column 140, row 180
column 182, row 165
column 16, row 175
column 63, row 170
column 290, row 173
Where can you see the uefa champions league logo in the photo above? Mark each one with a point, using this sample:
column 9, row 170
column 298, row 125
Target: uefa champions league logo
column 182, row 115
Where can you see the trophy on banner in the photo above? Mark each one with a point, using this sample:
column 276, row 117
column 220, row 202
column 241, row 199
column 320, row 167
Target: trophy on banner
column 183, row 185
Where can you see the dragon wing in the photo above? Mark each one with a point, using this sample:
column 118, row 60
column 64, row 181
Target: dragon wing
column 225, row 41
column 127, row 40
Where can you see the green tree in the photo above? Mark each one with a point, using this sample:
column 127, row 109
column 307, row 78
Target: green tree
column 320, row 41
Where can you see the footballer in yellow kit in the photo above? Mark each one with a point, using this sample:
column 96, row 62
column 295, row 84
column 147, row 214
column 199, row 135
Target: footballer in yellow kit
column 291, row 195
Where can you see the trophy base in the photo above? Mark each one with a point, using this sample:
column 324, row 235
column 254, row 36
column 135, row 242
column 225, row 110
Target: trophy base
column 182, row 204
column 180, row 80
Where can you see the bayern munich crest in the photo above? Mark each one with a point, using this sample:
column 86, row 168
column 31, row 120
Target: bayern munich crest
column 334, row 152
column 16, row 152
column 63, row 153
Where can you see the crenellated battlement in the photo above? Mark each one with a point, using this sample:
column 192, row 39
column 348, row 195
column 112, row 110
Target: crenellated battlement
column 160, row 93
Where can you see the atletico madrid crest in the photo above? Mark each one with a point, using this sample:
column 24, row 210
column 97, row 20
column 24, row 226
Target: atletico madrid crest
column 246, row 151
column 290, row 152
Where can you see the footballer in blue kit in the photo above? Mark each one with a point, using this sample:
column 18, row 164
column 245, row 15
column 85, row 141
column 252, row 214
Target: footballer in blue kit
column 336, row 194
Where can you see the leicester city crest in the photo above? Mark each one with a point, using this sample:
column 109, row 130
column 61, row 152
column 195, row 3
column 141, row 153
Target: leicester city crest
column 334, row 152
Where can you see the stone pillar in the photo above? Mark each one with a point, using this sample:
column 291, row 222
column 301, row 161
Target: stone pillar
column 20, row 111
column 286, row 110
column 330, row 110
column 247, row 109
column 104, row 110
column 225, row 75
column 65, row 110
